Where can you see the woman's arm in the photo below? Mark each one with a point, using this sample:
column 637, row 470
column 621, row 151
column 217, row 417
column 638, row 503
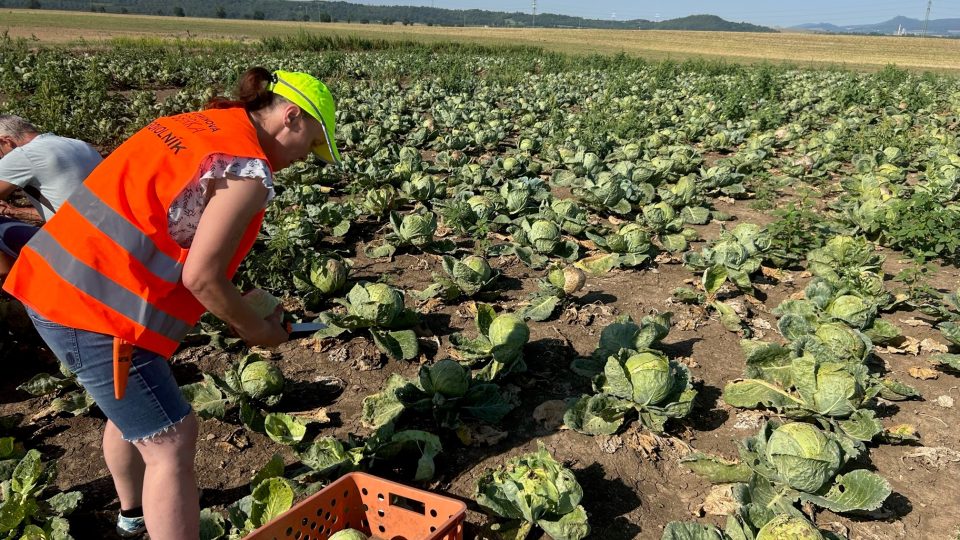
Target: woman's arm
column 228, row 213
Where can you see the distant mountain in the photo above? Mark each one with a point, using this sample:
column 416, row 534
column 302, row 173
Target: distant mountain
column 701, row 22
column 936, row 27
column 820, row 27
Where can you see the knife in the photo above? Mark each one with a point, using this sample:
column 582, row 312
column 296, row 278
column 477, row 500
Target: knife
column 298, row 330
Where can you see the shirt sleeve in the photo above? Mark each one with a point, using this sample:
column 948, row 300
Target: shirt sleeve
column 183, row 217
column 16, row 168
column 233, row 167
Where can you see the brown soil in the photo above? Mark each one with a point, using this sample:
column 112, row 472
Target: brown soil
column 633, row 481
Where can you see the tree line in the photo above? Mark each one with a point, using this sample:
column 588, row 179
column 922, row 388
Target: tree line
column 316, row 11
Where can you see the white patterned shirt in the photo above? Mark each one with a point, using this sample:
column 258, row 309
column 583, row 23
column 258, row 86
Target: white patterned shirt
column 184, row 214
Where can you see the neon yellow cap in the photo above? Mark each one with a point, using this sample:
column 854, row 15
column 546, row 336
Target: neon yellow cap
column 312, row 96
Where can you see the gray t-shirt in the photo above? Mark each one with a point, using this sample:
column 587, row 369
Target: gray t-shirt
column 49, row 167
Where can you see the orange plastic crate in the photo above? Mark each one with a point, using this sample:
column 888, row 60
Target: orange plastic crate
column 380, row 508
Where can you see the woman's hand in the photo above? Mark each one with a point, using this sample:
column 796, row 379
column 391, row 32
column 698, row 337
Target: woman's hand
column 269, row 333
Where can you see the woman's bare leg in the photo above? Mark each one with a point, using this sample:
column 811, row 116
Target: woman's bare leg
column 171, row 505
column 126, row 467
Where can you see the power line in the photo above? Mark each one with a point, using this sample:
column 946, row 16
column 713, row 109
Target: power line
column 926, row 20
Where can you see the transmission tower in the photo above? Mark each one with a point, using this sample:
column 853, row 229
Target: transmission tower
column 534, row 13
column 926, row 20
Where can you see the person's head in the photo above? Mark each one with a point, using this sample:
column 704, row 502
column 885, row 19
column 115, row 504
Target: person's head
column 14, row 132
column 293, row 113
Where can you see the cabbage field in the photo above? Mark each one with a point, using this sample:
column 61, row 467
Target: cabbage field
column 591, row 297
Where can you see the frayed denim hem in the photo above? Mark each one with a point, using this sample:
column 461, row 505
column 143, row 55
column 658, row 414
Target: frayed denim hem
column 157, row 434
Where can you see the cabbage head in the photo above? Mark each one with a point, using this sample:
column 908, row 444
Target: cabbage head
column 635, row 237
column 480, row 266
column 651, row 377
column 571, row 279
column 752, row 237
column 418, row 228
column 328, row 275
column 845, row 343
column 591, row 162
column 262, row 302
column 544, row 236
column 348, row 534
column 607, row 192
column 375, row 303
column 631, row 238
column 379, row 201
column 447, row 378
column 838, row 390
column 842, row 255
column 571, row 217
column 421, row 187
column 537, row 489
column 261, row 380
column 508, row 331
column 516, row 195
column 730, row 253
column 804, row 457
column 471, row 274
column 482, row 206
column 683, row 191
column 851, row 309
column 870, row 283
column 631, row 151
column 659, row 215
column 787, row 527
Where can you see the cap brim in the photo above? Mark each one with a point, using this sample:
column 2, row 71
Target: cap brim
column 322, row 152
column 327, row 150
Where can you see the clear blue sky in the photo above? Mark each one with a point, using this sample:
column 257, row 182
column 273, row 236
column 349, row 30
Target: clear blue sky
column 766, row 12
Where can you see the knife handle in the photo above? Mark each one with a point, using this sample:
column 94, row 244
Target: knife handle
column 122, row 357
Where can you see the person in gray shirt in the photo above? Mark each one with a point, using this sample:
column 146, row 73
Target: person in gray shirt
column 47, row 168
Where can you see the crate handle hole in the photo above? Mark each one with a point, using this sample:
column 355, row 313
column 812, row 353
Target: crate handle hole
column 407, row 503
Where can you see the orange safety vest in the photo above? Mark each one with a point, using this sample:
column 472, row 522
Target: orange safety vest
column 106, row 262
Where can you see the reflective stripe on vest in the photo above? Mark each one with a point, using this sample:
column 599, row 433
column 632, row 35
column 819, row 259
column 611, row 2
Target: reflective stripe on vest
column 124, row 233
column 104, row 289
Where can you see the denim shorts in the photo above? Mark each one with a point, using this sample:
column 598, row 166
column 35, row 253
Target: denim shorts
column 152, row 404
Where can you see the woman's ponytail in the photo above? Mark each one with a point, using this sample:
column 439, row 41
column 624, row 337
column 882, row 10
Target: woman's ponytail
column 252, row 93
